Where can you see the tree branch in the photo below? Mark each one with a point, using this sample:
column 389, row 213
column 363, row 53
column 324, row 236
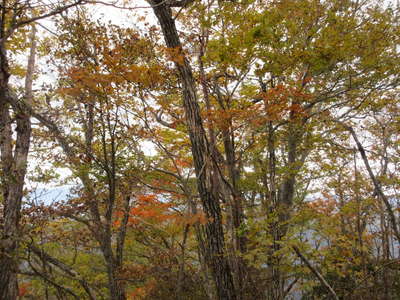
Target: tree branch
column 315, row 272
column 68, row 270
column 374, row 180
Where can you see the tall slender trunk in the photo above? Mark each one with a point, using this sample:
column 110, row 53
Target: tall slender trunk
column 240, row 273
column 215, row 243
column 281, row 198
column 14, row 166
column 117, row 292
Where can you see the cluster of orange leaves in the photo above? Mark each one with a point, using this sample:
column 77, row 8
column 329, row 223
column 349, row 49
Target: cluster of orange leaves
column 147, row 208
column 225, row 118
column 142, row 292
column 23, row 289
column 175, row 55
column 325, row 206
column 277, row 101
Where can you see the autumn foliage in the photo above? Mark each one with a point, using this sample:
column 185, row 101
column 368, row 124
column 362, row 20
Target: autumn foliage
column 230, row 150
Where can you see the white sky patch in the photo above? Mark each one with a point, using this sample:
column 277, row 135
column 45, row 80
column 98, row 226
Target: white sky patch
column 148, row 148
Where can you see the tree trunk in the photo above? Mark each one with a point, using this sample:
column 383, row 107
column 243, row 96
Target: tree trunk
column 215, row 243
column 117, row 292
column 14, row 166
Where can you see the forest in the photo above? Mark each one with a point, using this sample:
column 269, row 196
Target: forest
column 199, row 149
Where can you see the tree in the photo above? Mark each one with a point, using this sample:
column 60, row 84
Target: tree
column 14, row 16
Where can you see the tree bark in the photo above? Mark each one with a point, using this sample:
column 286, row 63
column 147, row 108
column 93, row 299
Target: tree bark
column 14, row 166
column 215, row 243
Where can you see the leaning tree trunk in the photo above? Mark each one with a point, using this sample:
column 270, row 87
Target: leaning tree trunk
column 215, row 244
column 13, row 166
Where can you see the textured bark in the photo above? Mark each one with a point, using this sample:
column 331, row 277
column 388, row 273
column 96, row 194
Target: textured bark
column 116, row 291
column 13, row 160
column 14, row 166
column 284, row 203
column 240, row 273
column 215, row 244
